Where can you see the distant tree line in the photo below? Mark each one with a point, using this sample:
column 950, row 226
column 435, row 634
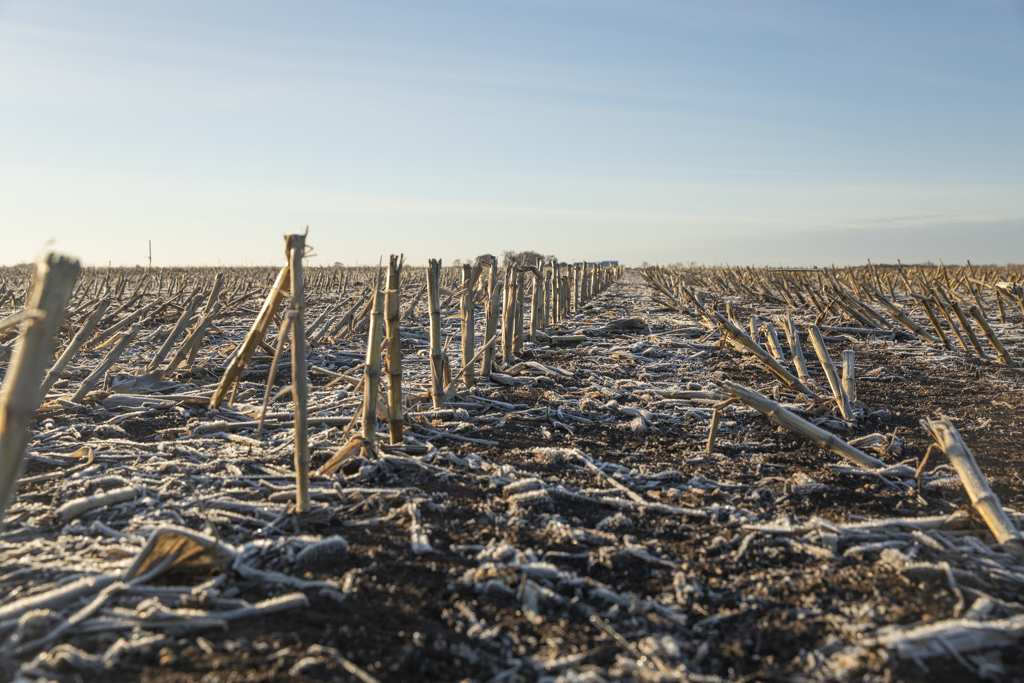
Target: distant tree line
column 527, row 257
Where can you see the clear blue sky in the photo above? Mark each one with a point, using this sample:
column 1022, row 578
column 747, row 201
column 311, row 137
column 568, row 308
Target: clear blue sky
column 743, row 132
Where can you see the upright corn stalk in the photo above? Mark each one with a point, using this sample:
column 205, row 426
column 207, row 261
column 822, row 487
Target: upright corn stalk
column 467, row 313
column 491, row 315
column 849, row 375
column 517, row 336
column 585, row 284
column 508, row 318
column 536, row 300
column 556, row 291
column 436, row 354
column 576, row 283
column 545, row 320
column 295, row 247
column 842, row 400
column 371, row 378
column 52, row 282
column 394, row 351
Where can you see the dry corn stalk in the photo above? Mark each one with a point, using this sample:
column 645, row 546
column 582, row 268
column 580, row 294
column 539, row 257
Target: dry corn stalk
column 794, row 348
column 968, row 329
column 282, row 339
column 73, row 346
column 830, row 372
column 436, row 354
column 906, row 320
column 466, row 312
column 546, row 298
column 716, row 418
column 517, row 333
column 371, row 378
column 194, row 341
column 741, row 338
column 218, row 284
column 778, row 415
column 394, row 349
column 508, row 316
column 935, row 323
column 259, row 327
column 295, row 248
column 450, row 383
column 1004, row 356
column 556, row 292
column 179, row 327
column 982, row 497
column 536, row 302
column 849, row 375
column 53, row 280
column 97, row 341
column 491, row 316
column 96, row 375
column 773, row 342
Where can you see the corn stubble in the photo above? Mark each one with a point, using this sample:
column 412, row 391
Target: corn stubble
column 53, row 279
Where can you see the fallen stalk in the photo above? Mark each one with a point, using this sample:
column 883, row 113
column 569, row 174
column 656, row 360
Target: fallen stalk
column 982, row 497
column 778, row 415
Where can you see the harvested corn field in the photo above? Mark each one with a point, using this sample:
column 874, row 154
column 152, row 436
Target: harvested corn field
column 523, row 473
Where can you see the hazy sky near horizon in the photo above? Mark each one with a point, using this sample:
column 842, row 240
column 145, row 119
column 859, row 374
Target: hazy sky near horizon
column 783, row 132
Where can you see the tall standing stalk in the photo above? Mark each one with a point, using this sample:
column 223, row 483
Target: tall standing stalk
column 545, row 320
column 436, row 354
column 536, row 300
column 52, row 282
column 491, row 317
column 508, row 315
column 556, row 284
column 394, row 352
column 564, row 297
column 576, row 288
column 371, row 378
column 517, row 336
column 467, row 313
column 295, row 247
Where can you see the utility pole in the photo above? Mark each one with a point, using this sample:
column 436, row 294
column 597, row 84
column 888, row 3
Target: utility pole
column 150, row 254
